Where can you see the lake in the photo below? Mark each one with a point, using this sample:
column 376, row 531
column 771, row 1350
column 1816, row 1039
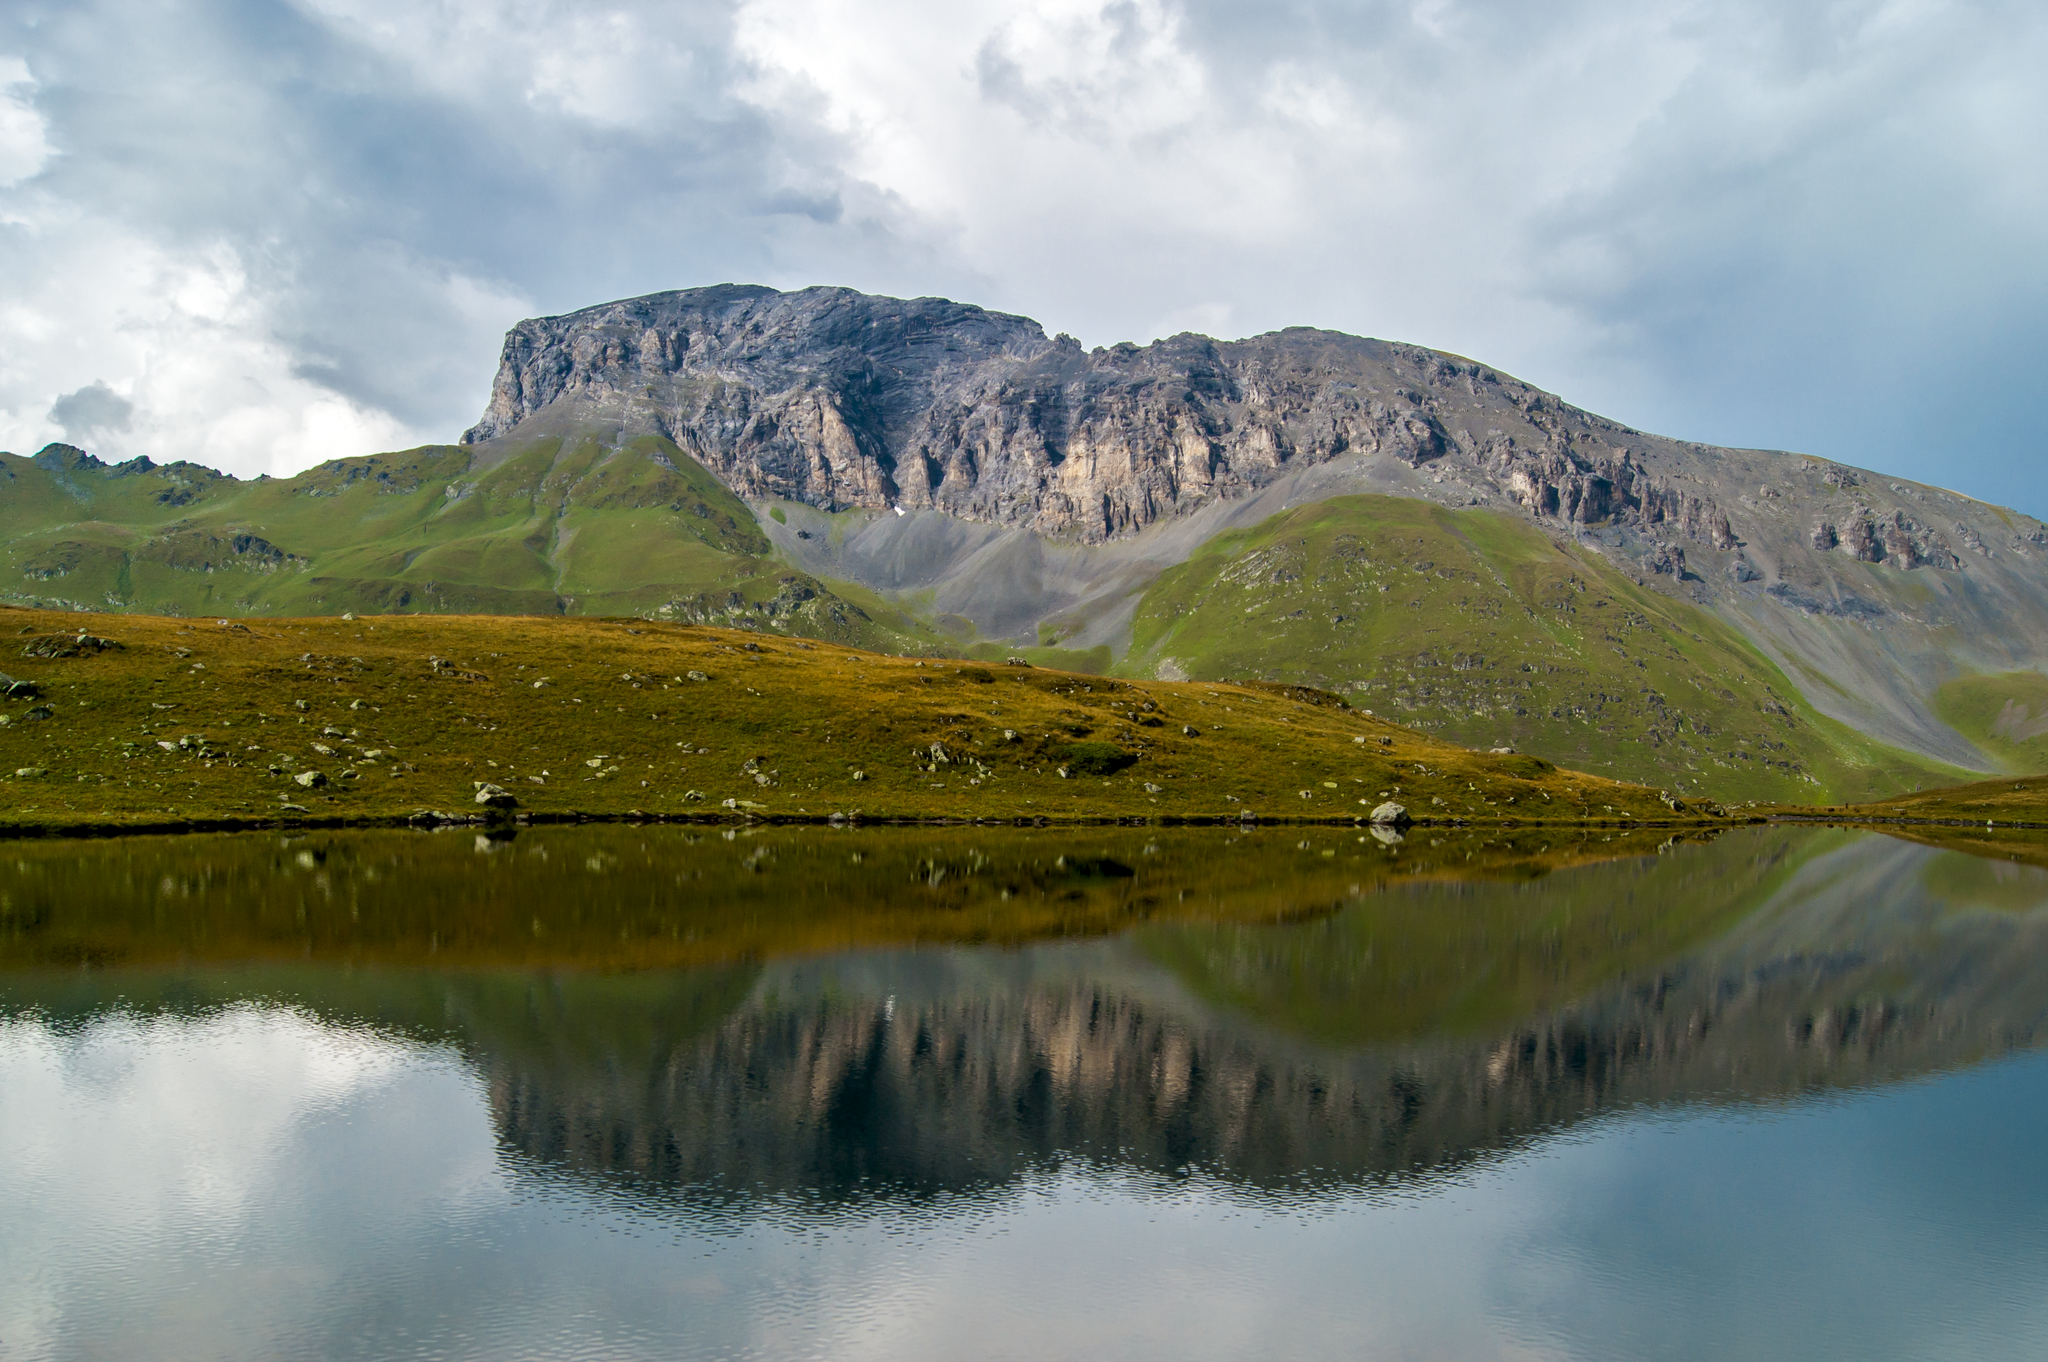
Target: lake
column 658, row 1092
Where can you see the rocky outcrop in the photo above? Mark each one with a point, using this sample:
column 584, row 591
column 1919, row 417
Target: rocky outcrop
column 838, row 399
column 190, row 549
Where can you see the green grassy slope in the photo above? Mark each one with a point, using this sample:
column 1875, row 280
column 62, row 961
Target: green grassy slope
column 1999, row 805
column 1479, row 628
column 177, row 721
column 2006, row 715
column 539, row 526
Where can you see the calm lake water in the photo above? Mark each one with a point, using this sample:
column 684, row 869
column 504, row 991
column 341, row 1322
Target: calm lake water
column 649, row 1092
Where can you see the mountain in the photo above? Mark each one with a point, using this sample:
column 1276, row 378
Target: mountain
column 924, row 475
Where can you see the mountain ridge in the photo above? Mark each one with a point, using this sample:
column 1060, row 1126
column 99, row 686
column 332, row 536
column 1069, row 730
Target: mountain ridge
column 927, row 475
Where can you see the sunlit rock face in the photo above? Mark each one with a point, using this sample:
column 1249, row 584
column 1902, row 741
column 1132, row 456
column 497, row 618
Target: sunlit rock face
column 837, row 398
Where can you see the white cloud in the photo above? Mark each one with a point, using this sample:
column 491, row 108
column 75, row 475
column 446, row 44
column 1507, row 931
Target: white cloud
column 24, row 144
column 284, row 228
column 184, row 337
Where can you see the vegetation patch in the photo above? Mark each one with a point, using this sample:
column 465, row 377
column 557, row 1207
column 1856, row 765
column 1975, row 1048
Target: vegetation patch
column 1477, row 627
column 1094, row 758
column 550, row 526
column 156, row 722
column 2004, row 714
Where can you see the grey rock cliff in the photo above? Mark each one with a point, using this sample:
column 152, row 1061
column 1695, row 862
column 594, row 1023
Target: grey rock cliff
column 1870, row 591
column 838, row 399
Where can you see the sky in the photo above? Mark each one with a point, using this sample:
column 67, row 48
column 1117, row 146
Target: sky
column 262, row 233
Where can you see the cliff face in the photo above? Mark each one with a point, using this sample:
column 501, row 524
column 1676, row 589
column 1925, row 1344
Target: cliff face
column 839, row 399
column 1872, row 592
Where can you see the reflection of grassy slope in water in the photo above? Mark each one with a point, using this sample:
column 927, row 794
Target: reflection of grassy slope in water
column 621, row 898
column 1964, row 882
column 562, row 1020
column 1474, row 958
column 218, row 719
column 1478, row 627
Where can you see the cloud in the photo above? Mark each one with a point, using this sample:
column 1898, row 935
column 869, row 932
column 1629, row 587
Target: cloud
column 23, row 146
column 95, row 407
column 1804, row 225
column 282, row 229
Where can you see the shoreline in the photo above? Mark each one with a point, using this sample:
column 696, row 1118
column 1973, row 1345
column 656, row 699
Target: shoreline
column 429, row 819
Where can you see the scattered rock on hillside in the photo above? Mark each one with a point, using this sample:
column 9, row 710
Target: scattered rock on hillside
column 309, row 780
column 1390, row 815
column 495, row 796
column 63, row 645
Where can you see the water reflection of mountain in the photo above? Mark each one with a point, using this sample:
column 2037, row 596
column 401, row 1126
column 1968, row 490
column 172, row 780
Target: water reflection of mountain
column 1307, row 1009
column 1867, row 963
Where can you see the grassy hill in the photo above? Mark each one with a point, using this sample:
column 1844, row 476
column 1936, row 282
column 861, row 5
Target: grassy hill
column 552, row 523
column 1479, row 628
column 2008, row 803
column 1471, row 625
column 164, row 721
column 2005, row 714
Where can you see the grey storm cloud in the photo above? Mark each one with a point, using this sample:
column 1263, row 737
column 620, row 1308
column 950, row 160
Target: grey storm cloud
column 1812, row 226
column 90, row 410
